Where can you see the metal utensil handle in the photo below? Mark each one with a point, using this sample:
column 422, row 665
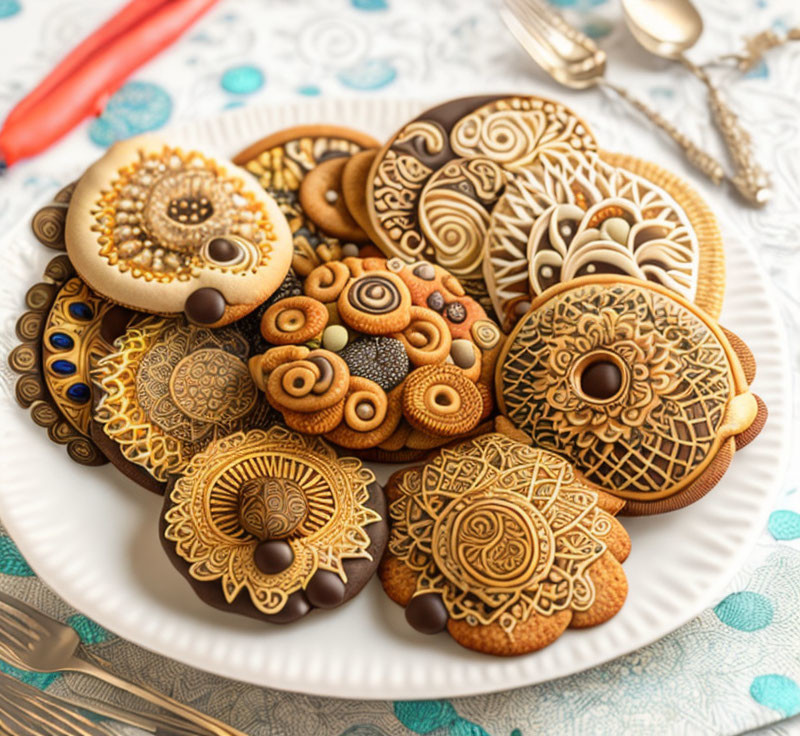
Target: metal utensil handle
column 209, row 724
column 701, row 160
column 749, row 177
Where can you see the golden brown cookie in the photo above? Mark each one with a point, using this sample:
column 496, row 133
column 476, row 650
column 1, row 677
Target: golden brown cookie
column 503, row 545
column 637, row 387
column 273, row 524
column 354, row 187
column 281, row 161
column 166, row 230
column 577, row 214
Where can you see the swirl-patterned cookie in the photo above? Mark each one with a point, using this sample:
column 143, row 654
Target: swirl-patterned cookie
column 380, row 357
column 167, row 230
column 282, row 161
column 503, row 545
column 642, row 391
column 578, row 214
column 62, row 337
column 169, row 389
column 272, row 524
column 432, row 187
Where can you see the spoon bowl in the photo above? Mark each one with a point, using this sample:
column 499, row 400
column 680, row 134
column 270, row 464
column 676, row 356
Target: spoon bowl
column 665, row 28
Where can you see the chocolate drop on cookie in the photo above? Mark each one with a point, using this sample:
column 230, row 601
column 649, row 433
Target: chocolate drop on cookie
column 205, row 306
column 222, row 250
column 273, row 556
column 427, row 613
column 601, row 380
column 325, row 589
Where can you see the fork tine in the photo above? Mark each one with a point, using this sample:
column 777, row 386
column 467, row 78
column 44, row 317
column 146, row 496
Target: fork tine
column 10, row 619
column 532, row 43
column 29, row 616
column 9, row 641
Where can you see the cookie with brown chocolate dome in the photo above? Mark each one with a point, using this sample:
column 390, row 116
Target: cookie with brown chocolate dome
column 272, row 524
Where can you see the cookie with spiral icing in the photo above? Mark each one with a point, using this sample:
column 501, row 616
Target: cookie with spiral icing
column 382, row 358
column 503, row 545
column 272, row 525
column 642, row 391
column 283, row 160
column 167, row 229
column 580, row 213
column 433, row 185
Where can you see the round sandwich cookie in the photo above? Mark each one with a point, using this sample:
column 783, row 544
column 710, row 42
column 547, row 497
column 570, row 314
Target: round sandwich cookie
column 380, row 357
column 432, row 187
column 282, row 161
column 61, row 339
column 503, row 545
column 577, row 214
column 272, row 524
column 354, row 187
column 641, row 390
column 167, row 230
column 167, row 390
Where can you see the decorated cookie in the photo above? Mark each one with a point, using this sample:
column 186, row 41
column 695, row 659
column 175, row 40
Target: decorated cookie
column 380, row 356
column 167, row 230
column 576, row 214
column 641, row 390
column 61, row 339
column 281, row 162
column 503, row 545
column 48, row 222
column 272, row 524
column 432, row 187
column 167, row 391
column 354, row 187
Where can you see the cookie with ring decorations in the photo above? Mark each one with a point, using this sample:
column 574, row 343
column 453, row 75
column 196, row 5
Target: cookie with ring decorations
column 283, row 160
column 61, row 338
column 577, row 214
column 49, row 221
column 272, row 524
column 641, row 390
column 170, row 230
column 167, row 390
column 433, row 185
column 503, row 545
column 383, row 358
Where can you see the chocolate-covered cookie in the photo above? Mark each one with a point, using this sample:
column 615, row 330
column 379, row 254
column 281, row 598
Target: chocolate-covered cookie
column 432, row 187
column 385, row 358
column 503, row 545
column 282, row 160
column 642, row 391
column 577, row 214
column 167, row 230
column 272, row 524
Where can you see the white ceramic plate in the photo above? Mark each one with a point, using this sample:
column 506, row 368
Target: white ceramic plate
column 92, row 535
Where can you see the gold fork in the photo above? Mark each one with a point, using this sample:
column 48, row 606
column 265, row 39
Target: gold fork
column 575, row 61
column 42, row 644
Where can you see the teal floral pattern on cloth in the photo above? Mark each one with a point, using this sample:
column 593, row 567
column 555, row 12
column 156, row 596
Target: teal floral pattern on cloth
column 733, row 668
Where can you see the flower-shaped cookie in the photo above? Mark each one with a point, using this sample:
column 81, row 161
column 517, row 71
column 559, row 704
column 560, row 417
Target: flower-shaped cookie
column 380, row 356
column 641, row 390
column 502, row 544
column 272, row 524
column 166, row 230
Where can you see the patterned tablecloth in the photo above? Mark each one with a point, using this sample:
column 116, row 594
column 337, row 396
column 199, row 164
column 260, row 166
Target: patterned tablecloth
column 734, row 668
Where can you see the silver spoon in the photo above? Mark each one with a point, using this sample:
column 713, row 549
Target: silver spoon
column 668, row 28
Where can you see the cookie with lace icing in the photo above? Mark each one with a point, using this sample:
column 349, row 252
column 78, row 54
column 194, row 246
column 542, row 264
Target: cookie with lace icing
column 642, row 391
column 281, row 162
column 576, row 214
column 502, row 544
column 272, row 524
column 166, row 229
column 433, row 185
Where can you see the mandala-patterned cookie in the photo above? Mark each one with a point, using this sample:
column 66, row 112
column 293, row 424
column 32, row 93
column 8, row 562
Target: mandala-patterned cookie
column 167, row 391
column 643, row 392
column 167, row 230
column 281, row 162
column 272, row 524
column 576, row 214
column 502, row 544
column 382, row 357
column 61, row 339
column 432, row 187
